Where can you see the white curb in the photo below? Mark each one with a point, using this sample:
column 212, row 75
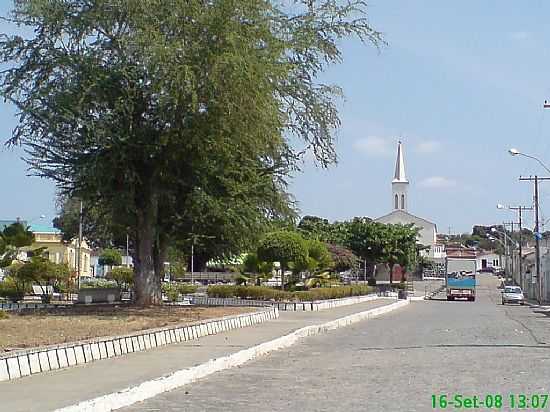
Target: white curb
column 183, row 377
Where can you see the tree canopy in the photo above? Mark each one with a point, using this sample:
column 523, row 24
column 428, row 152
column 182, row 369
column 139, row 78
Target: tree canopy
column 152, row 110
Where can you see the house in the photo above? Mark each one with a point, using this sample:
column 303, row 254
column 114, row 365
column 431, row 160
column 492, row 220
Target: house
column 488, row 259
column 57, row 250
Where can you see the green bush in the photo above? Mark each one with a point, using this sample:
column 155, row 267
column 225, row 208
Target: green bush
column 266, row 293
column 96, row 283
column 10, row 290
column 4, row 315
column 187, row 288
column 171, row 291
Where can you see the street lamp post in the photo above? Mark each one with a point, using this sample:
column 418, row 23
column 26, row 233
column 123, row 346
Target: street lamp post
column 519, row 210
column 536, row 179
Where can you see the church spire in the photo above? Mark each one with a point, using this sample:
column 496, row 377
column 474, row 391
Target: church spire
column 400, row 184
column 400, row 166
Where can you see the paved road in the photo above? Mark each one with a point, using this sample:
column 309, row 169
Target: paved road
column 392, row 363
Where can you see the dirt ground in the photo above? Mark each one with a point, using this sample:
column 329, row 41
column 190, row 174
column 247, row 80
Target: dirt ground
column 39, row 328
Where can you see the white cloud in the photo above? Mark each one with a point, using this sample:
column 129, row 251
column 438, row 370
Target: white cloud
column 437, row 182
column 520, row 35
column 427, row 147
column 375, row 146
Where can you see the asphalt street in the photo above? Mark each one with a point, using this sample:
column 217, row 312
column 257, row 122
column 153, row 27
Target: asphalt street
column 392, row 363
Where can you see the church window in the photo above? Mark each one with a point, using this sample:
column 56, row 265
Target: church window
column 403, row 202
column 396, row 202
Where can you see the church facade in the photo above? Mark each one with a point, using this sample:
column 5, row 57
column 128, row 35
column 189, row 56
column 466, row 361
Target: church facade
column 400, row 214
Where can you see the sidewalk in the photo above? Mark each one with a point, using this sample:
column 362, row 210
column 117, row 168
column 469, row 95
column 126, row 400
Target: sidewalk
column 49, row 391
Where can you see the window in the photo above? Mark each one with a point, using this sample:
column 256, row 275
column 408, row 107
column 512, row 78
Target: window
column 403, row 202
column 396, row 202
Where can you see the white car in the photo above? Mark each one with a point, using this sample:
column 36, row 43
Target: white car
column 512, row 294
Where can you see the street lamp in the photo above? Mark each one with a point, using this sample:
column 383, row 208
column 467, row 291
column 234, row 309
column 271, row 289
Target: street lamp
column 536, row 179
column 516, row 152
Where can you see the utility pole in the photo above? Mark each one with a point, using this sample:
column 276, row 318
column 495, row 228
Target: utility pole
column 79, row 245
column 520, row 210
column 536, row 180
column 511, row 247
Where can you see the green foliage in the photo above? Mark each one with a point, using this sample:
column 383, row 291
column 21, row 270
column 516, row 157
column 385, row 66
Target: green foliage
column 4, row 315
column 265, row 293
column 174, row 290
column 38, row 270
column 97, row 283
column 318, row 251
column 13, row 290
column 12, row 239
column 123, row 276
column 343, row 258
column 283, row 247
column 173, row 132
column 110, row 257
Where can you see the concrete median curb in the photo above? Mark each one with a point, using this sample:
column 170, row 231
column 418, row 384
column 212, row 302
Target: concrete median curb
column 183, row 377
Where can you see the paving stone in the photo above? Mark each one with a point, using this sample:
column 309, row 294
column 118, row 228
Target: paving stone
column 13, row 368
column 44, row 362
column 34, row 363
column 4, row 375
column 94, row 348
column 102, row 350
column 62, row 358
column 79, row 354
column 71, row 356
column 110, row 349
column 52, row 357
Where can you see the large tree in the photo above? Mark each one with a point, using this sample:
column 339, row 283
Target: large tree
column 143, row 107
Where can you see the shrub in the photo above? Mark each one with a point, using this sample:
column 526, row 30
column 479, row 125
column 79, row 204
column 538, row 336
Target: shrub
column 171, row 291
column 187, row 288
column 10, row 290
column 4, row 315
column 265, row 293
column 124, row 277
column 110, row 257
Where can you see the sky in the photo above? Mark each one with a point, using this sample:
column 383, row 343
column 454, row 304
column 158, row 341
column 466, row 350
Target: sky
column 459, row 83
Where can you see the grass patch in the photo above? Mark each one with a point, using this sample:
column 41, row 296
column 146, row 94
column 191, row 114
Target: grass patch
column 39, row 328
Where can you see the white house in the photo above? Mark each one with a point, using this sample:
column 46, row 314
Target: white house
column 486, row 259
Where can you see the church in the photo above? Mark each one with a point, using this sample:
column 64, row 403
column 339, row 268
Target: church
column 400, row 214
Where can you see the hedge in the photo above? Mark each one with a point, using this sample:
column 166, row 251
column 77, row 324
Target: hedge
column 266, row 293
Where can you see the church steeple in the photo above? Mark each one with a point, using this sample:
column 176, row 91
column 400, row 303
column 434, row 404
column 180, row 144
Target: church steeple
column 400, row 184
column 400, row 166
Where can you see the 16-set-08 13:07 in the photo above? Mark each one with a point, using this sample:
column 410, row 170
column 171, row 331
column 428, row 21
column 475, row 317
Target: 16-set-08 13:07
column 490, row 401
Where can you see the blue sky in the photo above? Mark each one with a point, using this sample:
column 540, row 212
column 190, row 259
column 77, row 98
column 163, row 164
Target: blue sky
column 459, row 83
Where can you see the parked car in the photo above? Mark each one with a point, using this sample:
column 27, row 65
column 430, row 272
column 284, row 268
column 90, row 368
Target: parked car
column 512, row 294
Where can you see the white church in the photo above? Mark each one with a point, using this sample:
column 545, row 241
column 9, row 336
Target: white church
column 400, row 213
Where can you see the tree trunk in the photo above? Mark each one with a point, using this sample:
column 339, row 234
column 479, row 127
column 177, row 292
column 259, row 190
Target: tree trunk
column 146, row 282
column 282, row 277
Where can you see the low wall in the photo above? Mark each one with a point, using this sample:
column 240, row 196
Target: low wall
column 286, row 306
column 23, row 306
column 18, row 364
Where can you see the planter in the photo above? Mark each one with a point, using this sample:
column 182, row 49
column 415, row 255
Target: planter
column 99, row 295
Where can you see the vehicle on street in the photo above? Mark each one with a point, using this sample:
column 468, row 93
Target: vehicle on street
column 513, row 294
column 460, row 278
